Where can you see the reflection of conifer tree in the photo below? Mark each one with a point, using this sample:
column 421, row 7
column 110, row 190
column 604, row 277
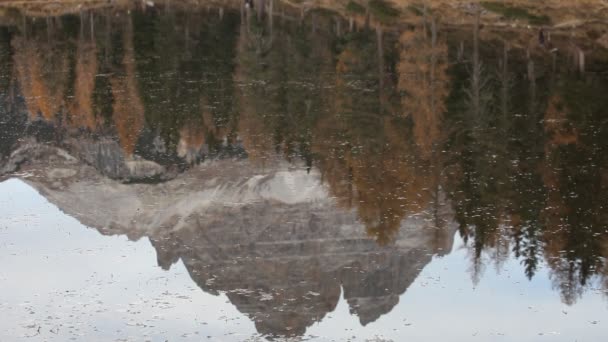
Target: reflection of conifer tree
column 108, row 45
column 479, row 83
column 512, row 183
column 185, row 71
column 505, row 79
column 576, row 184
column 282, row 75
column 530, row 250
column 476, row 199
column 496, row 200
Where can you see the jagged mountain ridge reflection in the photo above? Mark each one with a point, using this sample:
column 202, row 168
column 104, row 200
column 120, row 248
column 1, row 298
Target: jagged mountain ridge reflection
column 336, row 158
column 271, row 239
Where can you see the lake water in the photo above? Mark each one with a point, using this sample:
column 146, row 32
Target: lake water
column 196, row 173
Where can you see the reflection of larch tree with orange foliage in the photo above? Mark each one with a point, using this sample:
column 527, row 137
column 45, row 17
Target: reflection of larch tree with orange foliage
column 42, row 72
column 364, row 154
column 195, row 132
column 191, row 140
column 424, row 82
column 81, row 108
column 128, row 109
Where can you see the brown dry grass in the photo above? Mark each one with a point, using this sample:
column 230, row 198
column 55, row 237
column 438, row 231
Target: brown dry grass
column 561, row 13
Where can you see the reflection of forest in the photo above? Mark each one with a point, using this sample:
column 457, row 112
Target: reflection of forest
column 512, row 133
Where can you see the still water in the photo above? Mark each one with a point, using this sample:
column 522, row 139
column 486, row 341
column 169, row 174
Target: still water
column 189, row 173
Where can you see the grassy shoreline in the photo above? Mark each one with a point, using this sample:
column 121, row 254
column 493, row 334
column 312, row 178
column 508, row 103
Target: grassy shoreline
column 515, row 13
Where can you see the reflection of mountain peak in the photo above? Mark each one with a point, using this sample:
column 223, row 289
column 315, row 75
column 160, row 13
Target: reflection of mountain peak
column 270, row 238
column 284, row 264
column 371, row 308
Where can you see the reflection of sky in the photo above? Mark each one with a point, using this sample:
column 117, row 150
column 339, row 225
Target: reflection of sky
column 73, row 282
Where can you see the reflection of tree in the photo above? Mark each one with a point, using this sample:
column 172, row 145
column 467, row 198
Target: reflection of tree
column 492, row 161
column 575, row 178
column 281, row 75
column 128, row 108
column 184, row 60
column 477, row 93
column 193, row 137
column 422, row 77
column 533, row 190
column 361, row 147
column 42, row 72
column 81, row 111
column 363, row 151
column 472, row 175
column 256, row 135
column 11, row 120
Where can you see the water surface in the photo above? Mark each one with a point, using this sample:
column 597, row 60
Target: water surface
column 202, row 173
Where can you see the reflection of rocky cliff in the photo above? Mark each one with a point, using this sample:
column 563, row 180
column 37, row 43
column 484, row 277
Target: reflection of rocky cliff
column 270, row 238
